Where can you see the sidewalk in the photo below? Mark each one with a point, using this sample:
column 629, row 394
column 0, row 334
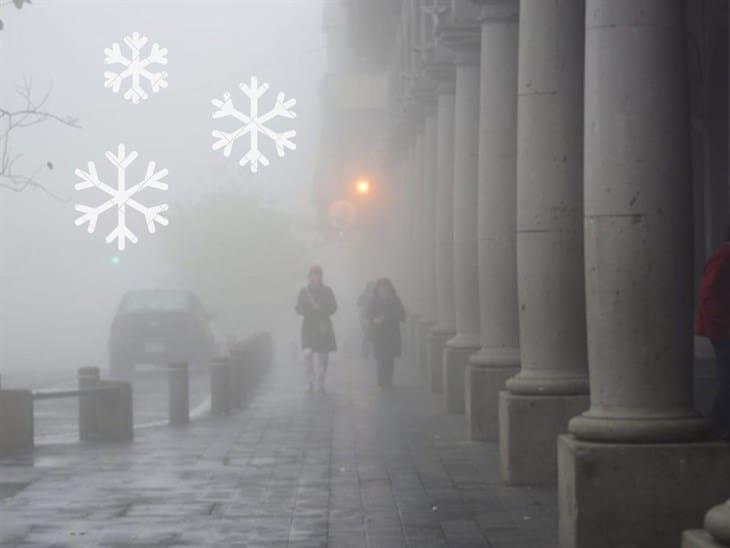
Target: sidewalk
column 351, row 468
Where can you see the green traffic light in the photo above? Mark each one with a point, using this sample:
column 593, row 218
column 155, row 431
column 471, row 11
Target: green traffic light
column 116, row 259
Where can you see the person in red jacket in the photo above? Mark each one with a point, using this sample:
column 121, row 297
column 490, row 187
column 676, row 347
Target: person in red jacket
column 713, row 321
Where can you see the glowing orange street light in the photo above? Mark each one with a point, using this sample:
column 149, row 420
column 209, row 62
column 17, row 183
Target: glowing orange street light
column 362, row 186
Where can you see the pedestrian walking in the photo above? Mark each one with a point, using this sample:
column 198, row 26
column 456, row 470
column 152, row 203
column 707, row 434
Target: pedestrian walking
column 363, row 304
column 385, row 313
column 713, row 321
column 316, row 304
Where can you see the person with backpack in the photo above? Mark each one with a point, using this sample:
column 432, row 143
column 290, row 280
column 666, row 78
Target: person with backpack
column 316, row 304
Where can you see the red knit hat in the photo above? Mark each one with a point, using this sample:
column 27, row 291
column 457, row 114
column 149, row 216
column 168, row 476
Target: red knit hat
column 315, row 269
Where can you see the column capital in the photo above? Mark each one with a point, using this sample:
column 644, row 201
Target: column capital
column 463, row 38
column 423, row 93
column 415, row 116
column 439, row 63
column 443, row 75
column 498, row 10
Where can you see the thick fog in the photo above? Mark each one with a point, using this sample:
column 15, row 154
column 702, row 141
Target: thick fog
column 242, row 241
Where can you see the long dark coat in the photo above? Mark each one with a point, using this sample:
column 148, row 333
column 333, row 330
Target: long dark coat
column 318, row 334
column 386, row 335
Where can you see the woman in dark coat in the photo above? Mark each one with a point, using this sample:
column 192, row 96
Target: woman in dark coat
column 386, row 313
column 316, row 304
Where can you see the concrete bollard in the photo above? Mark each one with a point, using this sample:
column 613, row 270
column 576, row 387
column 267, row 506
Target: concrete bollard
column 248, row 371
column 179, row 393
column 16, row 421
column 237, row 380
column 88, row 377
column 114, row 411
column 220, row 386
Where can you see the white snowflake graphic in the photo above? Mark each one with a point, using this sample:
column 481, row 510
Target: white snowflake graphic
column 135, row 68
column 121, row 197
column 254, row 124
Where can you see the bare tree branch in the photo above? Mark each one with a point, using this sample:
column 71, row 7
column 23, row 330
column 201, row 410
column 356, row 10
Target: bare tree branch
column 18, row 4
column 31, row 113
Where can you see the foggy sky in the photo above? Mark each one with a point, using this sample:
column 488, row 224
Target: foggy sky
column 58, row 288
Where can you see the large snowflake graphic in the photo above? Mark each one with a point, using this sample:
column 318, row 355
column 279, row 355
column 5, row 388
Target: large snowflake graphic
column 121, row 197
column 135, row 68
column 254, row 124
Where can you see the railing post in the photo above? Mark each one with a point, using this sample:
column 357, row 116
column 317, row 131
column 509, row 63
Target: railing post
column 16, row 421
column 248, row 370
column 220, row 386
column 179, row 393
column 259, row 358
column 268, row 352
column 88, row 377
column 237, row 380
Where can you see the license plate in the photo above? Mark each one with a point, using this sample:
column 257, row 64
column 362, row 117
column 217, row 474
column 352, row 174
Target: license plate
column 154, row 348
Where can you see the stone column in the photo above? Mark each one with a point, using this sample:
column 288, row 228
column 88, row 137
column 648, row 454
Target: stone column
column 465, row 43
column 403, row 249
column 429, row 215
column 408, row 291
column 416, row 306
column 428, row 231
column 635, row 473
column 418, row 202
column 498, row 358
column 552, row 386
column 445, row 315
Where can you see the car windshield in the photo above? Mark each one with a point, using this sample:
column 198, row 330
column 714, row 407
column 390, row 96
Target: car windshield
column 155, row 301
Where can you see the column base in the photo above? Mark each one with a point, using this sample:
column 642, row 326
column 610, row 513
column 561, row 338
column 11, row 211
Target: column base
column 529, row 427
column 697, row 538
column 456, row 360
column 592, row 427
column 529, row 383
column 436, row 343
column 483, row 385
column 612, row 495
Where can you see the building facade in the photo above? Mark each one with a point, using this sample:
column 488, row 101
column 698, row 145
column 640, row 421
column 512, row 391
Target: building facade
column 554, row 173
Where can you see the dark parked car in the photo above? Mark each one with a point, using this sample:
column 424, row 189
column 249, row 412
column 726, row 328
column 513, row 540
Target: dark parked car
column 158, row 327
